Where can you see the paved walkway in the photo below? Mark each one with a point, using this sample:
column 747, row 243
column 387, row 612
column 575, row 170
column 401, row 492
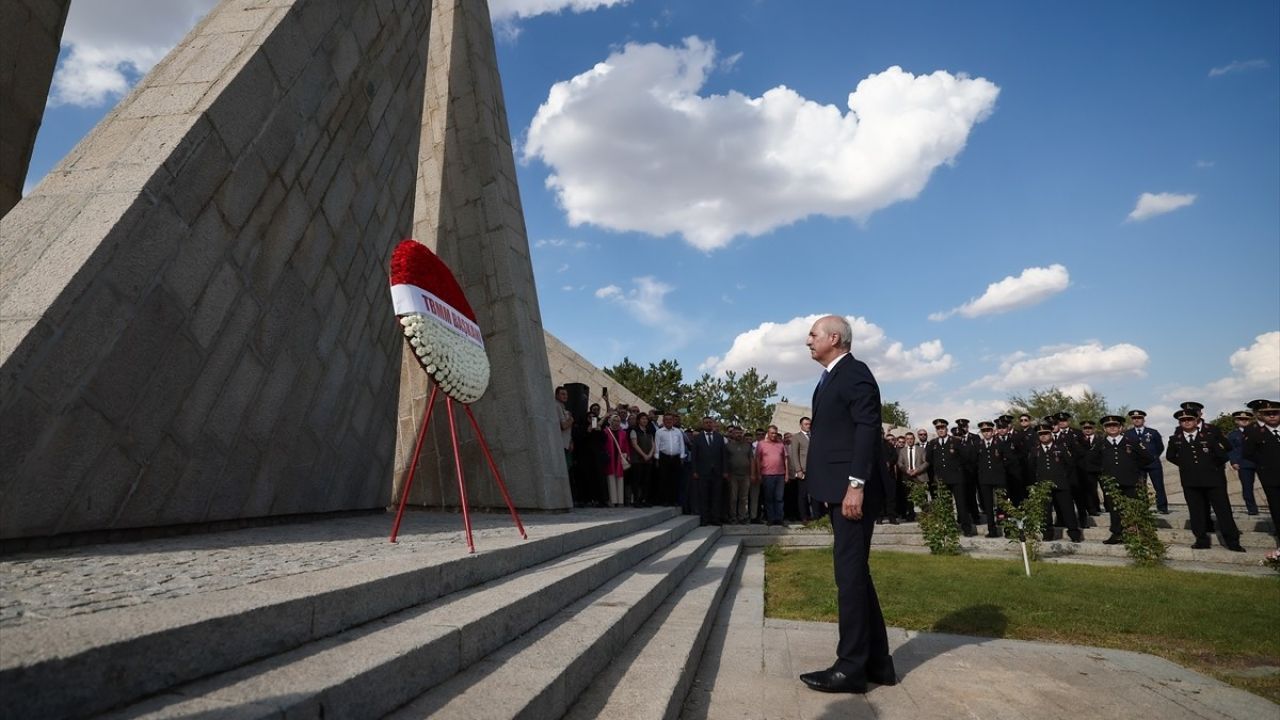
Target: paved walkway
column 750, row 669
column 62, row 583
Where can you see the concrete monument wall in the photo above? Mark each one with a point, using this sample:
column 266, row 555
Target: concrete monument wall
column 30, row 35
column 567, row 366
column 468, row 210
column 194, row 321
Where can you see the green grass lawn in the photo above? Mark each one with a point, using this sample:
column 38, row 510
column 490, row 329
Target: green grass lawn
column 1216, row 624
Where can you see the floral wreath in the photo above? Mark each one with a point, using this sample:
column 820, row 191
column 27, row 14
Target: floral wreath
column 438, row 322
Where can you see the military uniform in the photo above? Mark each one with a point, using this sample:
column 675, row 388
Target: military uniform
column 1245, row 468
column 1200, row 458
column 991, row 461
column 1262, row 447
column 1151, row 439
column 1123, row 459
column 949, row 457
column 1056, row 463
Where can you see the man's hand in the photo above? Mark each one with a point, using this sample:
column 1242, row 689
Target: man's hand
column 851, row 508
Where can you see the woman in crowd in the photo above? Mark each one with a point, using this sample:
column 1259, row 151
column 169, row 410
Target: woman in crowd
column 616, row 447
column 644, row 457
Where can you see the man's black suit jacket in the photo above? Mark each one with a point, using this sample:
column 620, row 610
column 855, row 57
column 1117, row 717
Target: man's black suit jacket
column 709, row 460
column 846, row 439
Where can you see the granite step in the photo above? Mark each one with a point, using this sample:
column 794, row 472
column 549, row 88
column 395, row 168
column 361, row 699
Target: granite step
column 542, row 673
column 367, row 671
column 651, row 677
column 76, row 666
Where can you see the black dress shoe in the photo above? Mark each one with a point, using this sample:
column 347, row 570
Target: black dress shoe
column 1113, row 540
column 1200, row 545
column 1235, row 547
column 993, row 534
column 833, row 681
column 1076, row 536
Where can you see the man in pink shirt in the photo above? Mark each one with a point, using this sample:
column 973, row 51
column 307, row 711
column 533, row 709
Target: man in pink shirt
column 771, row 466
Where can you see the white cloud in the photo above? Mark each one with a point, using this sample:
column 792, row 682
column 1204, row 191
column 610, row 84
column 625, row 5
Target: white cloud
column 113, row 44
column 1068, row 366
column 1152, row 204
column 1239, row 66
column 1255, row 373
column 634, row 146
column 1032, row 286
column 506, row 10
column 1204, row 164
column 563, row 267
column 779, row 350
column 646, row 303
column 922, row 411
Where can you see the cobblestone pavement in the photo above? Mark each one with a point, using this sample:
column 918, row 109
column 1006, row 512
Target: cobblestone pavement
column 61, row 583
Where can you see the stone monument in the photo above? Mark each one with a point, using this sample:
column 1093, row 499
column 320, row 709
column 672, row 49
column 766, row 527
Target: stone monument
column 194, row 318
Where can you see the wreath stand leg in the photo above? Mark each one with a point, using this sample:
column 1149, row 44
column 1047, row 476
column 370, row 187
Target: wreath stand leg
column 494, row 469
column 457, row 464
column 413, row 464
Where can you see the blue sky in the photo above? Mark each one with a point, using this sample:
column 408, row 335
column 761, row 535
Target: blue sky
column 1026, row 194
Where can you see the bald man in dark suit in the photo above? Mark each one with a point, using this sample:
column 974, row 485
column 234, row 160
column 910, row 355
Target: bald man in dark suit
column 846, row 471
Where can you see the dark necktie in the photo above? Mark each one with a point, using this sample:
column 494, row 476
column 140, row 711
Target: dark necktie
column 823, row 380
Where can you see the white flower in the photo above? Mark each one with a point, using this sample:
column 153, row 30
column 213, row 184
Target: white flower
column 459, row 366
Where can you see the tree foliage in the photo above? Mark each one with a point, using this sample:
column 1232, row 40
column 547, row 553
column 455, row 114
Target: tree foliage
column 661, row 384
column 894, row 414
column 1225, row 423
column 738, row 399
column 1039, row 403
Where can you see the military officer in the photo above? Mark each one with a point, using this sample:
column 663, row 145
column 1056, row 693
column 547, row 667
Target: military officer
column 1015, row 450
column 1200, row 457
column 1244, row 467
column 1054, row 461
column 1089, row 490
column 1197, row 409
column 1262, row 446
column 948, row 456
column 1123, row 459
column 992, row 462
column 1150, row 439
column 971, row 470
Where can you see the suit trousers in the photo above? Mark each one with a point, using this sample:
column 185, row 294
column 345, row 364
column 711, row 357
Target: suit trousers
column 1246, row 489
column 965, row 508
column 670, row 475
column 1272, row 493
column 739, row 493
column 988, row 495
column 1155, row 472
column 1199, row 500
column 1129, row 491
column 863, row 646
column 1062, row 501
column 708, row 497
column 803, row 501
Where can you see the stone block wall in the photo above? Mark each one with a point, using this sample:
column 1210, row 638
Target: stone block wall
column 30, row 35
column 567, row 366
column 194, row 322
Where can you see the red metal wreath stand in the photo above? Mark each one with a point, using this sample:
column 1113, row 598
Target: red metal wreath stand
column 457, row 463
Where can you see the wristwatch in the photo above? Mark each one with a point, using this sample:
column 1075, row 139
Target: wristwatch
column 855, row 483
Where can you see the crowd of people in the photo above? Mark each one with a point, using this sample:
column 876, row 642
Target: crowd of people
column 624, row 456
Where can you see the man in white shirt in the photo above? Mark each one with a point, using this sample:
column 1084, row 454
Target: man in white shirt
column 669, row 442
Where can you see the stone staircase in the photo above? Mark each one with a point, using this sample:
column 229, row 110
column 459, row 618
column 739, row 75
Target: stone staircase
column 1173, row 529
column 602, row 621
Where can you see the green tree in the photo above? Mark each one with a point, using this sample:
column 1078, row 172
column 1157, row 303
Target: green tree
column 660, row 384
column 746, row 398
column 1225, row 422
column 707, row 396
column 1047, row 401
column 894, row 414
